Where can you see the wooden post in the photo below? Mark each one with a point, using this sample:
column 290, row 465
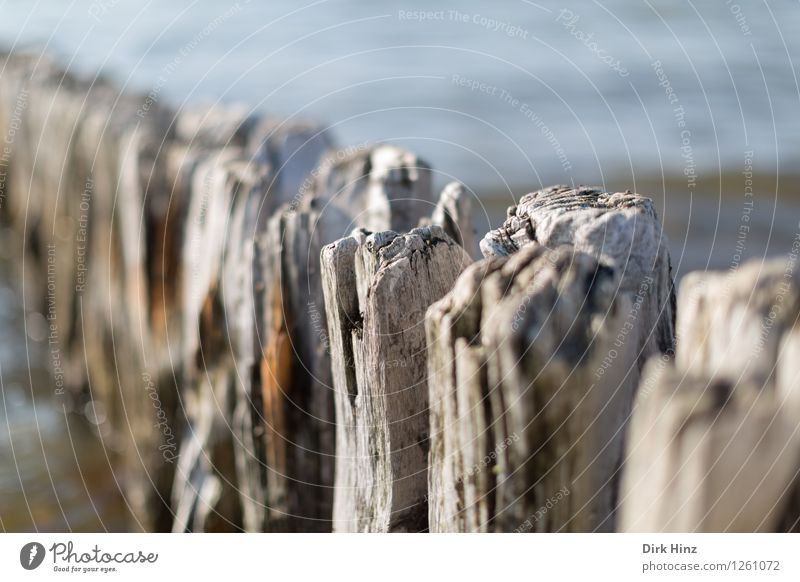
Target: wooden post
column 534, row 359
column 377, row 288
column 383, row 187
column 620, row 229
column 733, row 325
column 202, row 233
column 205, row 494
column 713, row 444
column 453, row 213
column 225, row 267
column 85, row 182
column 708, row 455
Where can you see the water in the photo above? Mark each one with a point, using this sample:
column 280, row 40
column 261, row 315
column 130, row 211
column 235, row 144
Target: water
column 376, row 72
column 55, row 475
column 670, row 98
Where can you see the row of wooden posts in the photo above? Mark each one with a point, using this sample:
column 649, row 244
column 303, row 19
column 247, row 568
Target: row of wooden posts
column 290, row 336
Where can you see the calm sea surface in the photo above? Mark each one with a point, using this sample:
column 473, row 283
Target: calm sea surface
column 503, row 93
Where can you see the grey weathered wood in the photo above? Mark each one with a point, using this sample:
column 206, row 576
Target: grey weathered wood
column 733, row 325
column 232, row 194
column 534, row 360
column 523, row 414
column 620, row 229
column 85, row 188
column 453, row 212
column 205, row 495
column 377, row 288
column 137, row 218
column 383, row 186
column 709, row 455
column 459, row 495
column 178, row 222
column 713, row 445
column 200, row 291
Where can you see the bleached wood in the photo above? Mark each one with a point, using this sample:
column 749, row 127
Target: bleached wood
column 732, row 325
column 709, row 455
column 535, row 356
column 620, row 229
column 383, row 186
column 377, row 288
column 453, row 212
column 713, row 445
column 202, row 275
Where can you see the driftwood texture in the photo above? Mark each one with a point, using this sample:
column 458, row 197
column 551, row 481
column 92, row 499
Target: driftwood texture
column 620, row 229
column 270, row 334
column 382, row 186
column 377, row 288
column 187, row 309
column 534, row 361
column 85, row 191
column 233, row 200
column 714, row 444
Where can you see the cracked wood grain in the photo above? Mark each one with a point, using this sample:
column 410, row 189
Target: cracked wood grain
column 377, row 287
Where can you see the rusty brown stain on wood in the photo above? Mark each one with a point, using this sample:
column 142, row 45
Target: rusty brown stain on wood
column 276, row 378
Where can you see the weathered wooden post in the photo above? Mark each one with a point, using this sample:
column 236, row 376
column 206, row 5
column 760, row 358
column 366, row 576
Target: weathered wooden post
column 205, row 494
column 713, row 443
column 534, row 359
column 381, row 187
column 453, row 212
column 338, row 366
column 85, row 178
column 709, row 455
column 377, row 288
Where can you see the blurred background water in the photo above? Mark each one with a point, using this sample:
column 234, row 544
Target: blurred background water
column 378, row 71
column 684, row 101
column 55, row 474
